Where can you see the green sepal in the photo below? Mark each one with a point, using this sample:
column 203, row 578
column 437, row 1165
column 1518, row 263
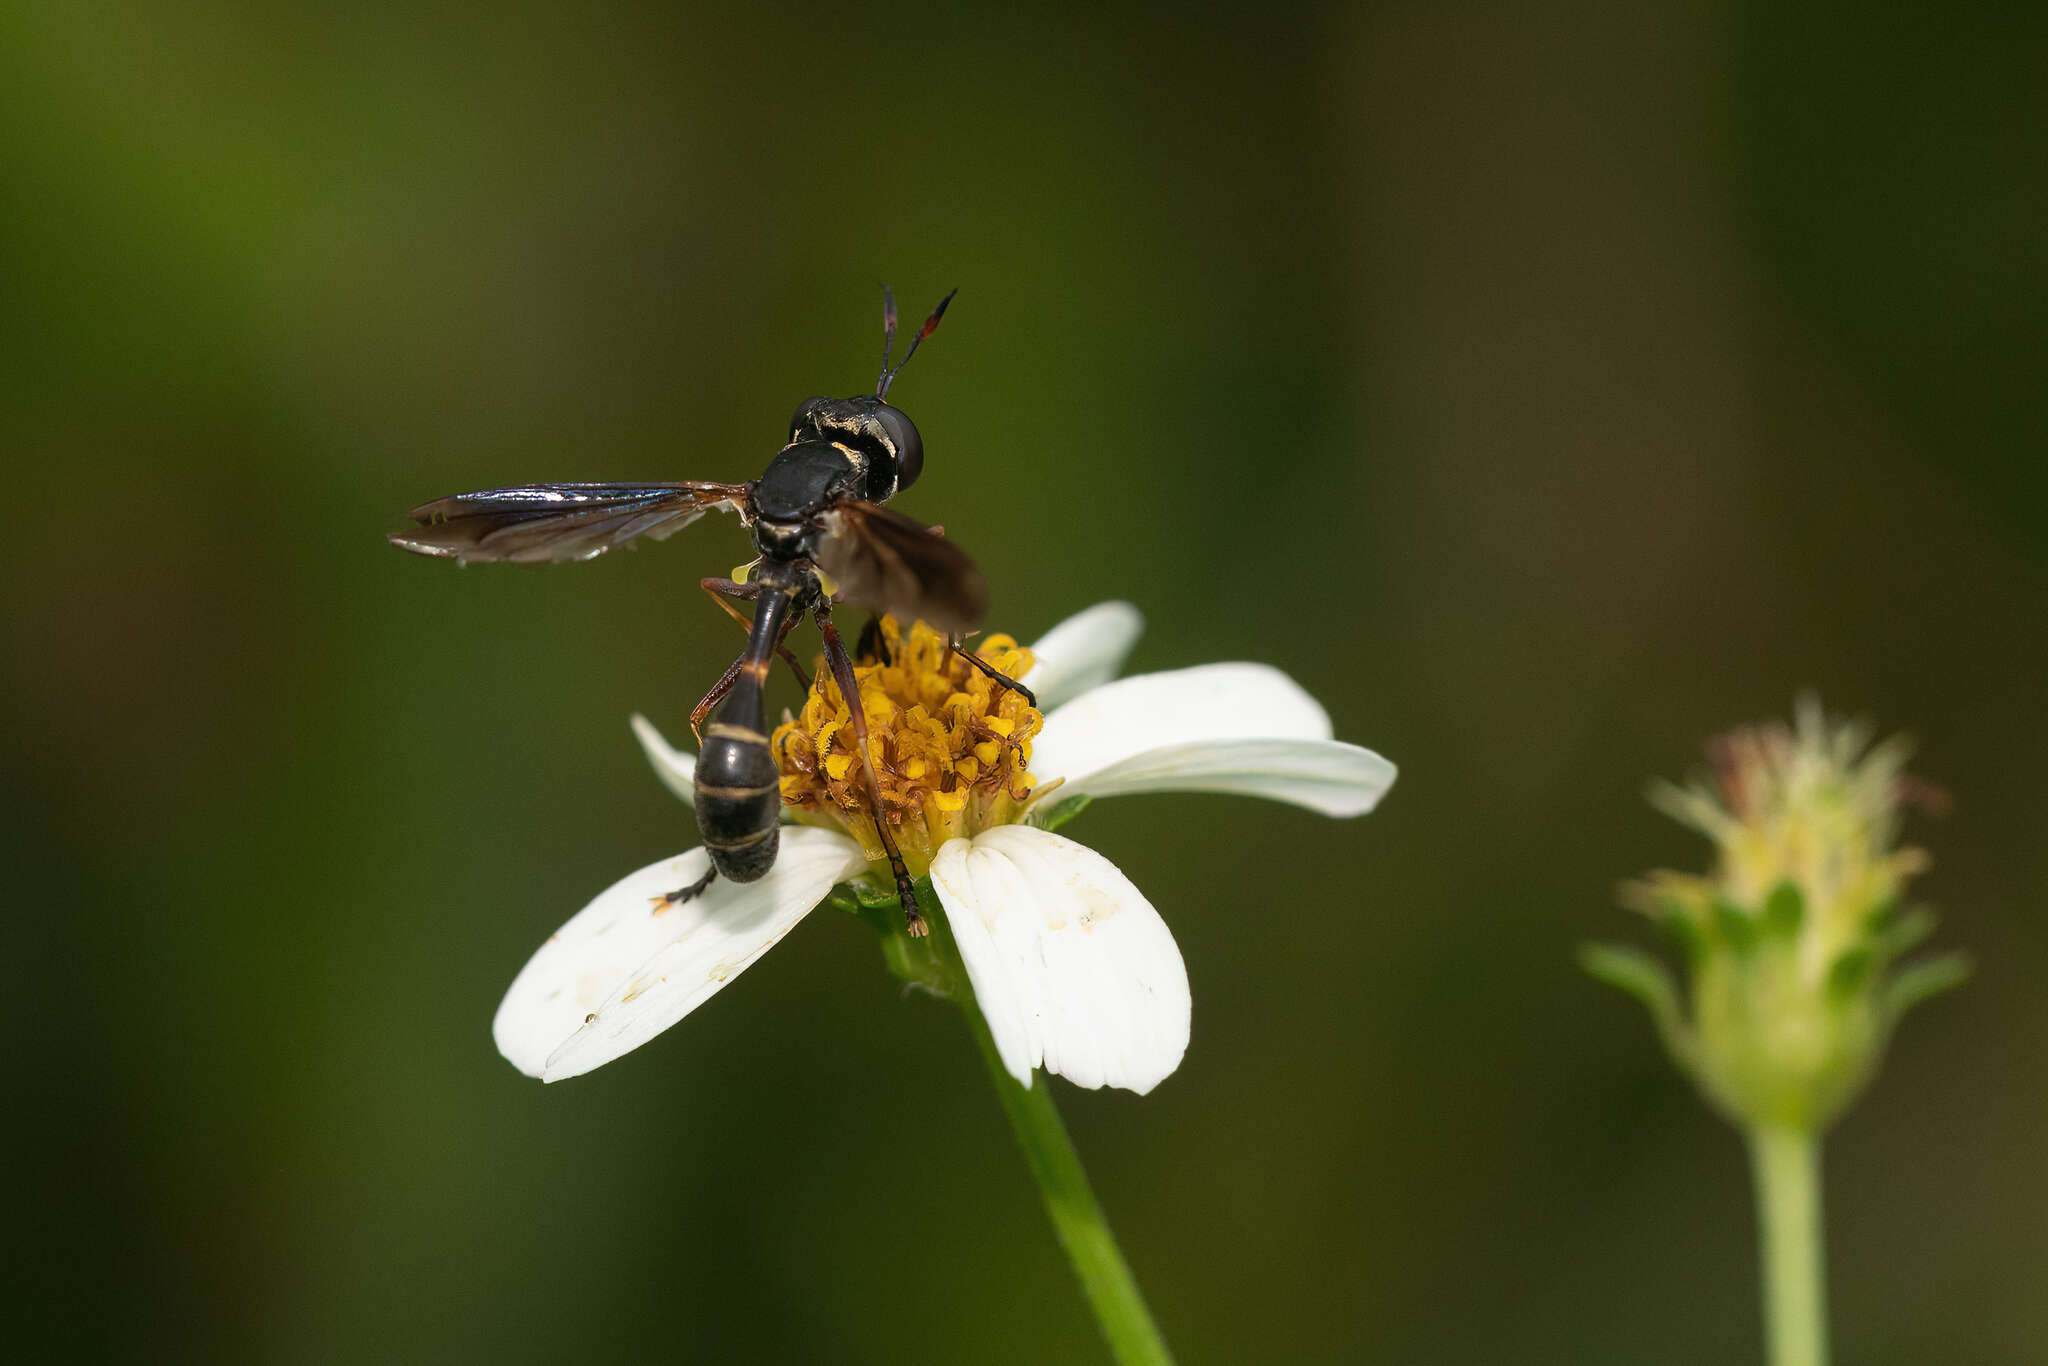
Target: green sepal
column 1677, row 924
column 1063, row 811
column 1673, row 907
column 1916, row 982
column 1627, row 968
column 1883, row 916
column 930, row 964
column 1737, row 926
column 881, row 908
column 1784, row 909
column 1849, row 973
column 870, row 897
column 1895, row 936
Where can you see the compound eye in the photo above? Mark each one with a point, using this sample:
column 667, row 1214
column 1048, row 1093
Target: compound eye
column 800, row 425
column 909, row 445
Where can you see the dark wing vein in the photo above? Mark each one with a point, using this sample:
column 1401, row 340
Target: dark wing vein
column 547, row 523
column 895, row 564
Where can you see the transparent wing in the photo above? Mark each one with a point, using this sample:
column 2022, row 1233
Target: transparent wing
column 549, row 523
column 895, row 564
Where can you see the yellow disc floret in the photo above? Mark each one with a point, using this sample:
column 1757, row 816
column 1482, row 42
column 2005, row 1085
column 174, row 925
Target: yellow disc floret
column 951, row 746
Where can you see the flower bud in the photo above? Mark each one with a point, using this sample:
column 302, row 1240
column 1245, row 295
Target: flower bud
column 1792, row 944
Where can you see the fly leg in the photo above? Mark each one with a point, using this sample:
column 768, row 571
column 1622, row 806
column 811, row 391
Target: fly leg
column 725, row 592
column 682, row 894
column 995, row 675
column 712, row 699
column 841, row 665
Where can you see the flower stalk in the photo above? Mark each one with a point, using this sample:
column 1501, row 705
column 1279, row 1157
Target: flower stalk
column 1113, row 1294
column 1788, row 1205
column 932, row 964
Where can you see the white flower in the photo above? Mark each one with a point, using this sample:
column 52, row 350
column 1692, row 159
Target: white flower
column 1071, row 966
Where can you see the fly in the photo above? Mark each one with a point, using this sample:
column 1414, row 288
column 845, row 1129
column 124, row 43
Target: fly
column 824, row 536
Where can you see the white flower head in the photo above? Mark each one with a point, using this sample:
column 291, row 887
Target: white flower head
column 1070, row 965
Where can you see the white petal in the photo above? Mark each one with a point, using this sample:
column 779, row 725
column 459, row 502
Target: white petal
column 1071, row 966
column 620, row 971
column 1323, row 775
column 676, row 768
column 1242, row 728
column 1083, row 652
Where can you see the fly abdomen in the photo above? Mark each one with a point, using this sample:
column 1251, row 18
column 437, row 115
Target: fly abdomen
column 739, row 795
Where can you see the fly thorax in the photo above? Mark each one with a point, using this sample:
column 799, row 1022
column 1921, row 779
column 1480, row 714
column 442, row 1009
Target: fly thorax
column 782, row 540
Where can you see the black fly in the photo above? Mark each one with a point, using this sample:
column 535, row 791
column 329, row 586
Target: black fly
column 817, row 518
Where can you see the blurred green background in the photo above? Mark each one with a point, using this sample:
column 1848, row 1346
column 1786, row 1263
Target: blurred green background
column 1545, row 387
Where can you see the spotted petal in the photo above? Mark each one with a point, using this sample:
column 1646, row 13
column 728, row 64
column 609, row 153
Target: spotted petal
column 1071, row 966
column 1236, row 728
column 622, row 971
column 676, row 768
column 1083, row 652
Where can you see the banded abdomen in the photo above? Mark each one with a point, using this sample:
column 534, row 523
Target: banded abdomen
column 738, row 796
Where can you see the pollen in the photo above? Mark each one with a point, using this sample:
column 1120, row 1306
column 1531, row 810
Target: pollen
column 951, row 746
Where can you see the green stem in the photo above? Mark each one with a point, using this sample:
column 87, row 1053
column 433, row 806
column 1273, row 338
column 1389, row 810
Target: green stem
column 1787, row 1162
column 1084, row 1232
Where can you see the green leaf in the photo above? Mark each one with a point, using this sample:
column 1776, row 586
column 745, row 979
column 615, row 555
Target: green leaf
column 1627, row 968
column 1063, row 811
column 1915, row 982
column 1784, row 909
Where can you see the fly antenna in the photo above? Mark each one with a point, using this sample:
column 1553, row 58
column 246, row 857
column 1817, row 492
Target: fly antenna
column 931, row 325
column 888, row 337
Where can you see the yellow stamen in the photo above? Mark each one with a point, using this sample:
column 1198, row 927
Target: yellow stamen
column 951, row 747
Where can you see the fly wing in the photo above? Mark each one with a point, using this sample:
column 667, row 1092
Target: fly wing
column 549, row 523
column 895, row 564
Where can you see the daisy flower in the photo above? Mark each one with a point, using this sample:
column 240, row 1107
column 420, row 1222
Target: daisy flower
column 1071, row 967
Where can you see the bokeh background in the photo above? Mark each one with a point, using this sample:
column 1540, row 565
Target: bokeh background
column 1547, row 387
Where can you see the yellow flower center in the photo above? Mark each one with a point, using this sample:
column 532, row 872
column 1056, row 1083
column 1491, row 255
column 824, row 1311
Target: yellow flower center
column 951, row 746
